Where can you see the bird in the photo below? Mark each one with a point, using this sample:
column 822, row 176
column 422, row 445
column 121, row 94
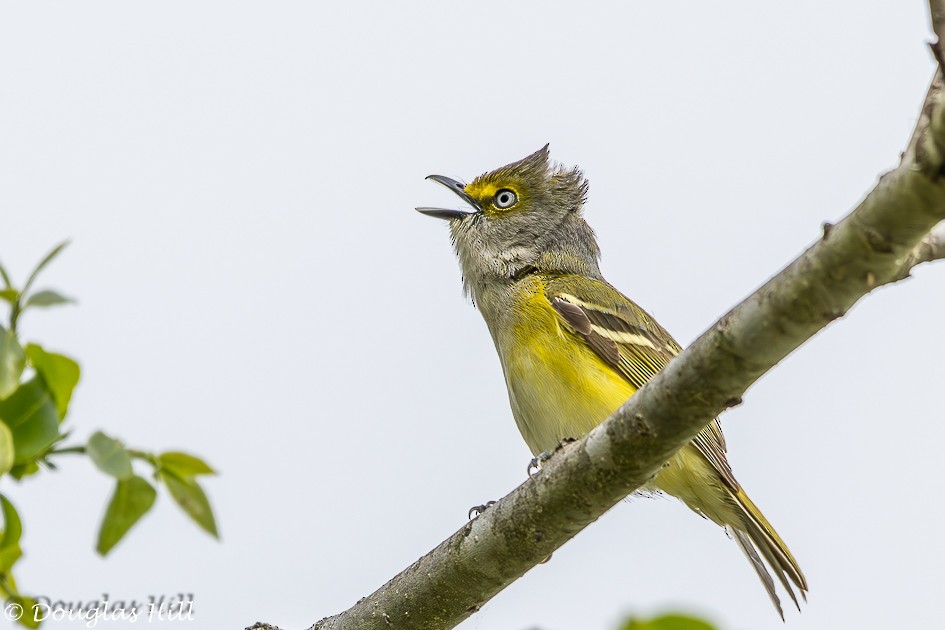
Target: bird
column 573, row 348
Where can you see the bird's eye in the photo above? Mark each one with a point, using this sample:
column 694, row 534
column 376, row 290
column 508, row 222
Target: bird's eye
column 505, row 198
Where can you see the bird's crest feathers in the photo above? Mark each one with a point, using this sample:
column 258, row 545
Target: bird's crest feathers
column 534, row 178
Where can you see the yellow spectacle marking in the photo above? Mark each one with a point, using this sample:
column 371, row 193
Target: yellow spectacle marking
column 484, row 191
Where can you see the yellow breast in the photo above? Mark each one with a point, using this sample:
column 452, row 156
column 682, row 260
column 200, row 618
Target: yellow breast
column 558, row 387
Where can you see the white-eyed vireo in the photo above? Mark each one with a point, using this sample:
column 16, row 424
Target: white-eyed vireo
column 573, row 348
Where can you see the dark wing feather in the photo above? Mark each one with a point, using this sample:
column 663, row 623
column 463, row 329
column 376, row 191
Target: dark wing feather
column 630, row 341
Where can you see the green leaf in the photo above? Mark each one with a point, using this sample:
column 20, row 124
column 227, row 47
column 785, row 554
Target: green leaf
column 12, row 362
column 183, row 465
column 12, row 527
column 10, row 295
column 16, row 604
column 191, row 498
column 24, row 470
column 6, row 278
column 12, row 531
column 45, row 261
column 132, row 499
column 109, row 455
column 60, row 373
column 6, row 449
column 31, row 415
column 46, row 298
column 668, row 622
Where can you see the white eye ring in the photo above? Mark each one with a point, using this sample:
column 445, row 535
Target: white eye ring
column 505, row 198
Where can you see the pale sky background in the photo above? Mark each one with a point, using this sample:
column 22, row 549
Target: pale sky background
column 239, row 179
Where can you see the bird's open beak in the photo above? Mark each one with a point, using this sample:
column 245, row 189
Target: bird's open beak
column 459, row 189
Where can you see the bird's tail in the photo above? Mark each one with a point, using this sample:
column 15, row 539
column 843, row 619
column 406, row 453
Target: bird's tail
column 757, row 538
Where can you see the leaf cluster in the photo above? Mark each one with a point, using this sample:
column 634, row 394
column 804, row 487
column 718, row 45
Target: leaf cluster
column 36, row 387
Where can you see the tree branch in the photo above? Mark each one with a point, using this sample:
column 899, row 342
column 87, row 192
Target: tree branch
column 889, row 233
column 930, row 248
column 937, row 13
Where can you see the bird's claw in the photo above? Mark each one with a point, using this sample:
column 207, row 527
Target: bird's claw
column 476, row 510
column 535, row 465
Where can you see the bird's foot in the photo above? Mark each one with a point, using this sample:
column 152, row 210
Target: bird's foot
column 535, row 465
column 476, row 510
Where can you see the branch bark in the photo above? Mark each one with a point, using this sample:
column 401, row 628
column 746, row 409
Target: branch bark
column 937, row 13
column 897, row 226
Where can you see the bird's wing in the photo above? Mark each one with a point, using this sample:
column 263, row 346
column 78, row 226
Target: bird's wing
column 630, row 341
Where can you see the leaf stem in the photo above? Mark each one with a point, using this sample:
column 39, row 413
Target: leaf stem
column 148, row 457
column 69, row 450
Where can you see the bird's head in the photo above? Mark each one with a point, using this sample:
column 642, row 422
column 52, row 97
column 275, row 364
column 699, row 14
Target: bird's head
column 524, row 216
